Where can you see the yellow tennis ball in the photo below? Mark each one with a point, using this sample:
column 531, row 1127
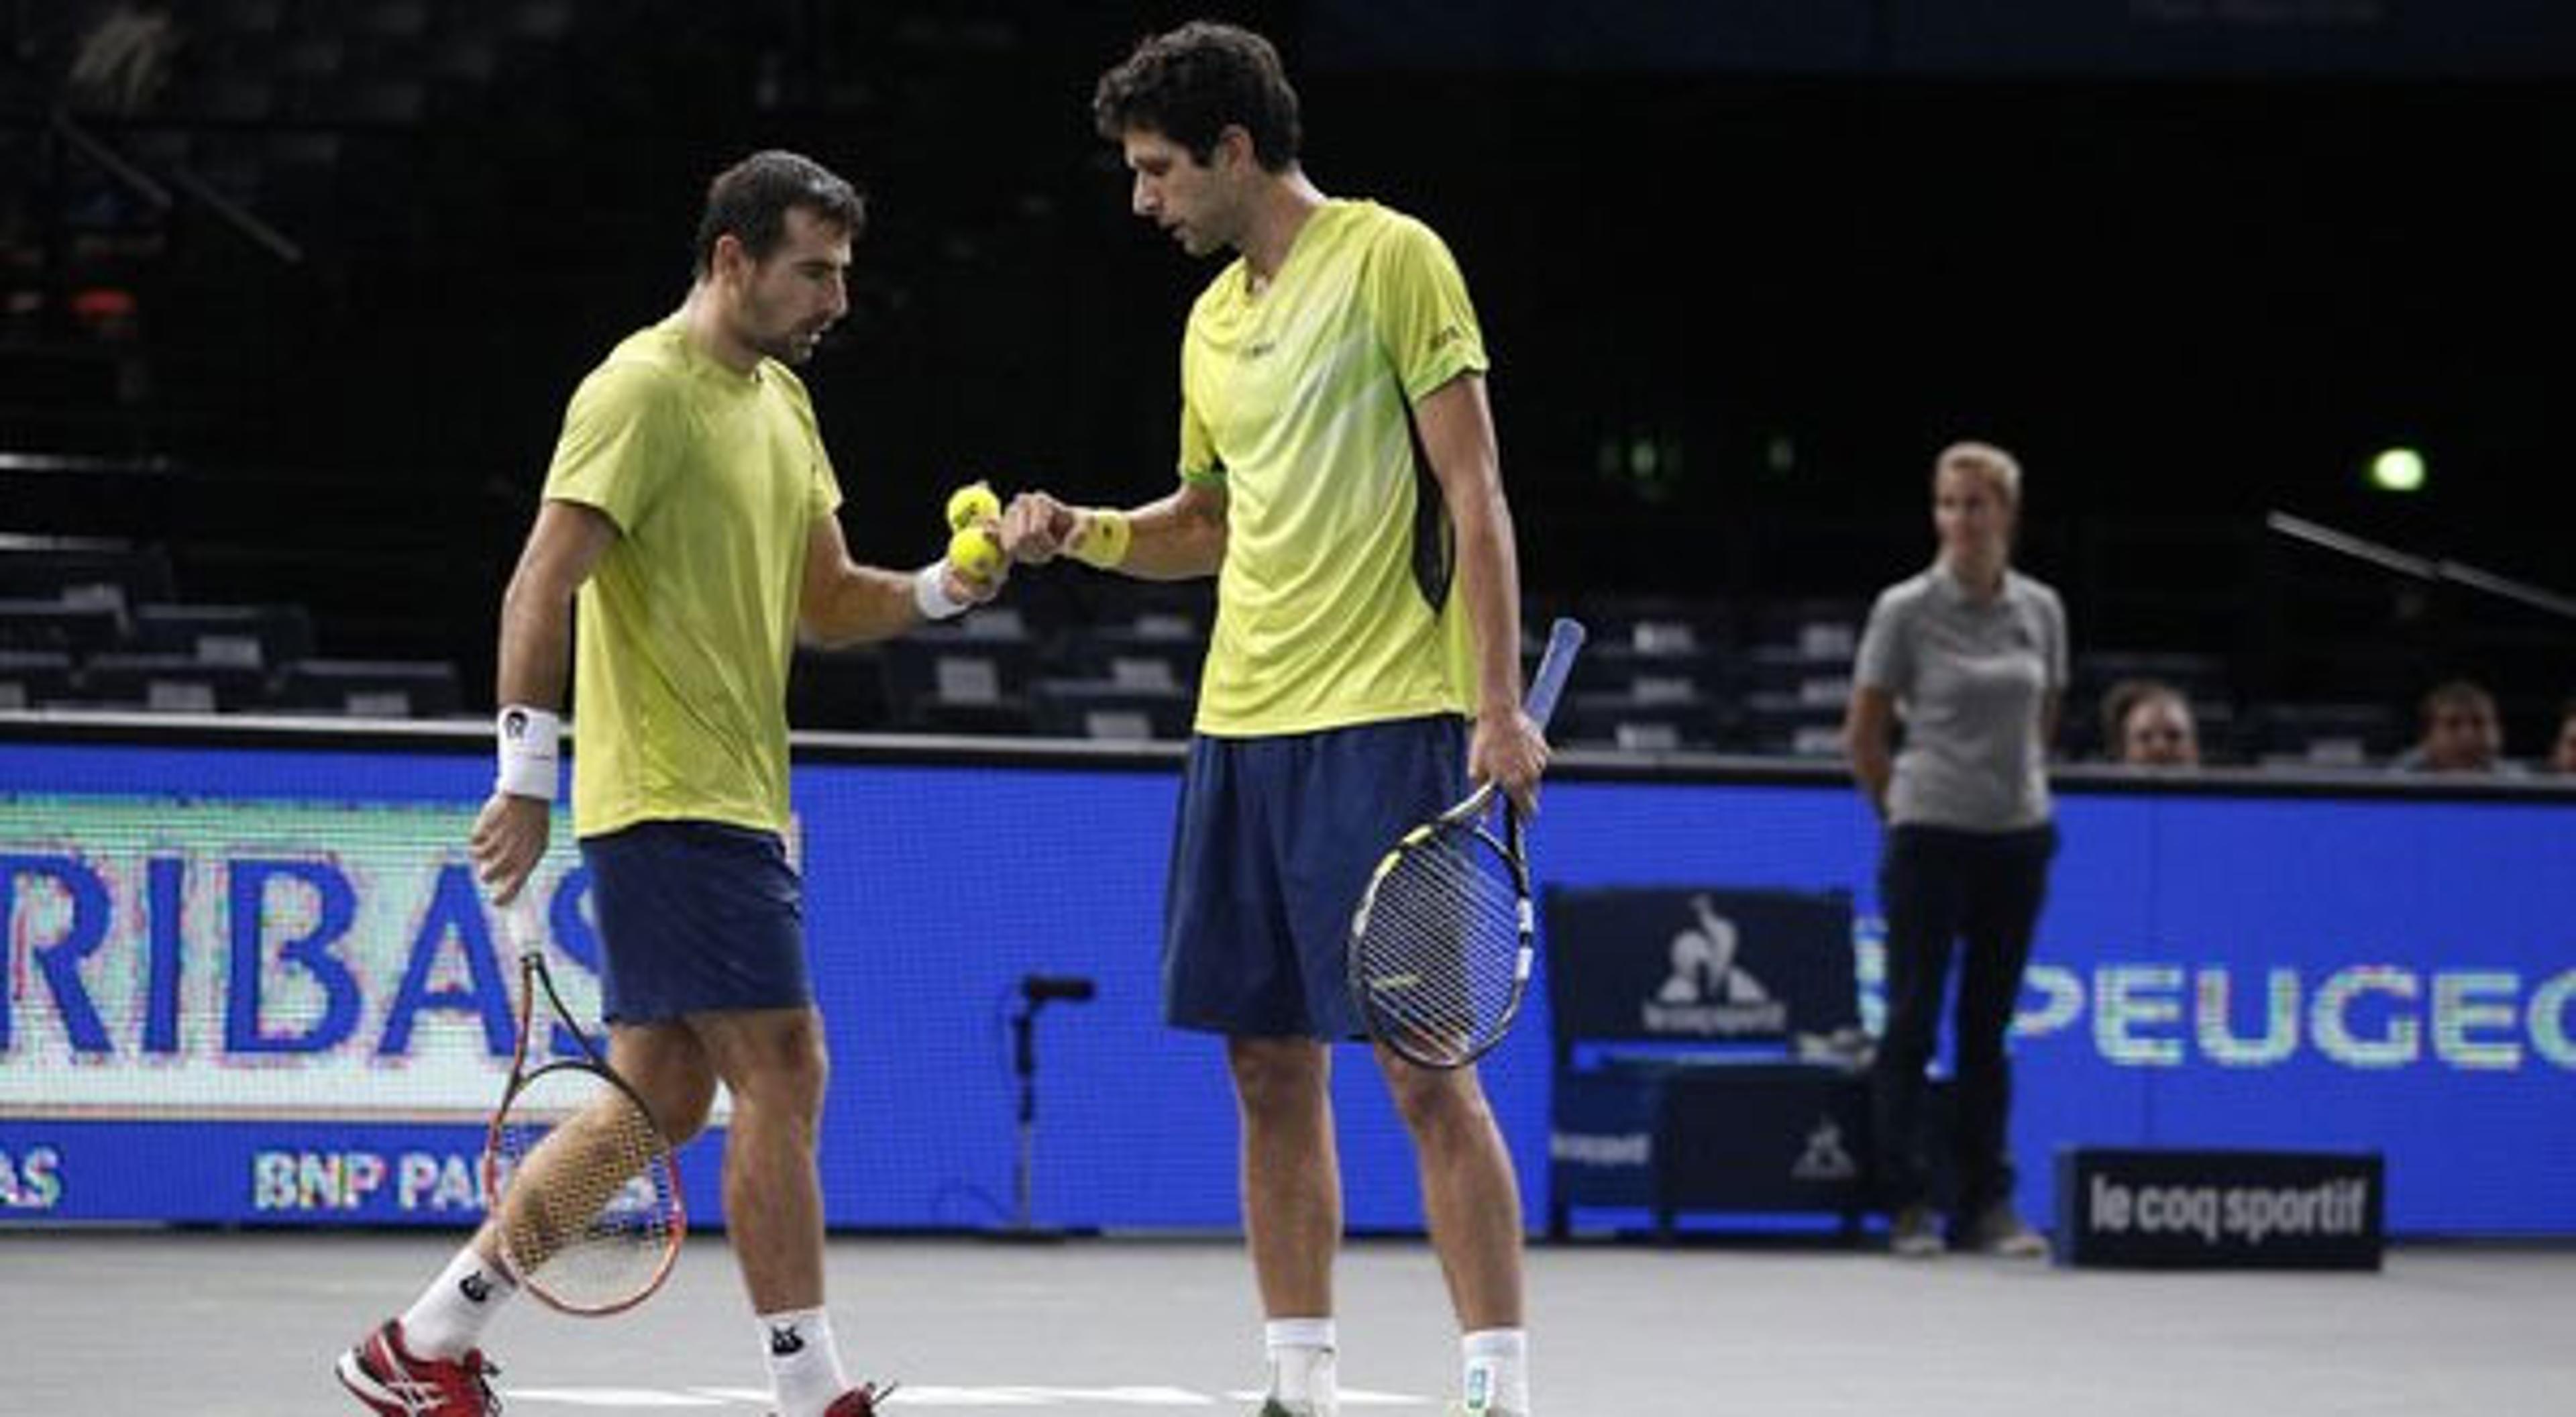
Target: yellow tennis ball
column 974, row 552
column 973, row 503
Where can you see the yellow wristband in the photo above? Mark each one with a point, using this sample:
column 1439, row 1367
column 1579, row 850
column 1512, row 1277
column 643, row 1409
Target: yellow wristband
column 1100, row 539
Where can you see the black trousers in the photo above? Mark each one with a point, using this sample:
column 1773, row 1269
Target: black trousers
column 1975, row 894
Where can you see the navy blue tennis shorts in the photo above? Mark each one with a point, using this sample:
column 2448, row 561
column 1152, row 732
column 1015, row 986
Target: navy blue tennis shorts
column 1276, row 841
column 696, row 917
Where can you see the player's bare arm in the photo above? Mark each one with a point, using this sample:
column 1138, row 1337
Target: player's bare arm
column 843, row 602
column 536, row 648
column 1457, row 427
column 1178, row 537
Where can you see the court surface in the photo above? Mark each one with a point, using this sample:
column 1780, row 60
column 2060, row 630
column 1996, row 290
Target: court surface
column 229, row 1325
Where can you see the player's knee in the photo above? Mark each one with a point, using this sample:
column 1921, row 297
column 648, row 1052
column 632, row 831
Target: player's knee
column 680, row 1105
column 671, row 1074
column 785, row 1072
column 1434, row 1100
column 1277, row 1078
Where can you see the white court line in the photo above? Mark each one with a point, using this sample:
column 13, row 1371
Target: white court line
column 613, row 1397
column 1350, row 1396
column 1017, row 1396
column 929, row 1395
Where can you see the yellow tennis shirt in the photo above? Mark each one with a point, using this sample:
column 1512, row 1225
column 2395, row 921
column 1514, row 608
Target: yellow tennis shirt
column 688, row 623
column 1335, row 605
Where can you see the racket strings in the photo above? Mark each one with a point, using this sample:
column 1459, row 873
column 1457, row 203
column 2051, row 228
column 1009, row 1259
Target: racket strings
column 1438, row 960
column 587, row 1209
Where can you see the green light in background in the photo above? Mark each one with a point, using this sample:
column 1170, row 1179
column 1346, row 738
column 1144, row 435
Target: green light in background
column 1643, row 459
column 1779, row 456
column 2398, row 470
column 1646, row 462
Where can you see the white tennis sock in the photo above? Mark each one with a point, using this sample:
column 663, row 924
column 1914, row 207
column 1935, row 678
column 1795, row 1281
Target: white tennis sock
column 1497, row 1376
column 804, row 1362
column 449, row 1316
column 1301, row 1365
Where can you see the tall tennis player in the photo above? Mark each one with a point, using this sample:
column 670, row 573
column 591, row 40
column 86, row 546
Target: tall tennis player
column 1339, row 477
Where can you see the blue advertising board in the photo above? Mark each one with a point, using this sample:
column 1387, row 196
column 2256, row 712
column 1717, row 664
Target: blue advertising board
column 253, row 984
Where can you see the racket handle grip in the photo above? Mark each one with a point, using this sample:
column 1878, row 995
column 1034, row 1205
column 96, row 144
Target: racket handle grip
column 1563, row 639
column 523, row 920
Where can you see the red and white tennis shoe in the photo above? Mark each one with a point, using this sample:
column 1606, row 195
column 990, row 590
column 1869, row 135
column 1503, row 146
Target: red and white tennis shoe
column 394, row 1382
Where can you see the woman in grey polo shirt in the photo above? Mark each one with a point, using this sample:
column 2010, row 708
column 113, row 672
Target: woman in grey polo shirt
column 1971, row 655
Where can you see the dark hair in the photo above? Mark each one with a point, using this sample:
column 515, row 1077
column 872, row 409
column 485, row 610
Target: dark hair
column 2454, row 693
column 1189, row 84
column 2121, row 700
column 749, row 202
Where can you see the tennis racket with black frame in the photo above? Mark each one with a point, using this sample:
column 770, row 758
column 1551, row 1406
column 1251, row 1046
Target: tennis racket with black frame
column 584, row 1185
column 1442, row 942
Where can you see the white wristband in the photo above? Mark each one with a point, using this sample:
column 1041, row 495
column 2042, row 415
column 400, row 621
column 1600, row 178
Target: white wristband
column 930, row 593
column 528, row 742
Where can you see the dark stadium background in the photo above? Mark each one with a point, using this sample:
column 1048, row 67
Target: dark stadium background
column 1742, row 266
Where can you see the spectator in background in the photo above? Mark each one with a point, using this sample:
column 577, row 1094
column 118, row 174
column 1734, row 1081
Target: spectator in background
column 2461, row 733
column 1973, row 655
column 2562, row 751
column 2149, row 723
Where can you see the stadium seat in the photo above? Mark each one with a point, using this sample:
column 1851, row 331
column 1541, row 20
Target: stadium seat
column 972, row 676
column 1785, row 725
column 1082, row 708
column 173, row 683
column 1671, row 673
column 370, row 688
column 1640, row 724
column 1008, row 716
column 1818, row 628
column 53, row 625
column 1796, row 693
column 84, row 572
column 1653, row 676
column 1136, row 657
column 2325, row 734
column 33, row 678
column 261, row 636
column 1651, row 626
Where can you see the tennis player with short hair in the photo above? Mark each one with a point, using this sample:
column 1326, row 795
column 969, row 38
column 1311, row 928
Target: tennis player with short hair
column 690, row 512
column 1366, row 604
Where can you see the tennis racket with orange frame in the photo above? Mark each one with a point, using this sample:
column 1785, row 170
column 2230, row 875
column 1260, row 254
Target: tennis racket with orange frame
column 584, row 1185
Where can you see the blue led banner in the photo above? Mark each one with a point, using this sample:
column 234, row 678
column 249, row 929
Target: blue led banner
column 255, row 984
